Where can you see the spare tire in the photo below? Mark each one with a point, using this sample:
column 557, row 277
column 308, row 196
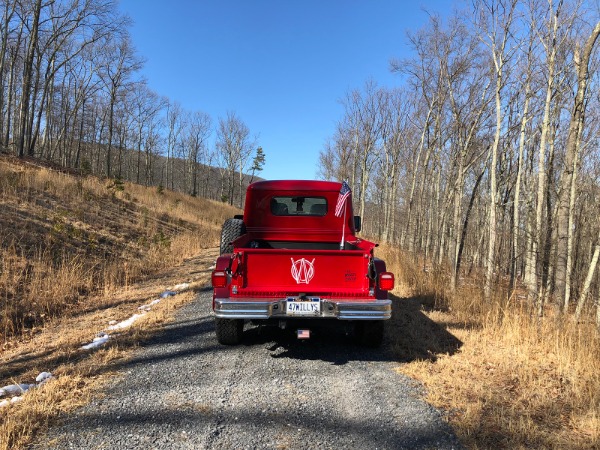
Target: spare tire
column 232, row 229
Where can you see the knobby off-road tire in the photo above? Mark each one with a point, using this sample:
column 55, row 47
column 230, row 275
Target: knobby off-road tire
column 229, row 331
column 369, row 332
column 232, row 229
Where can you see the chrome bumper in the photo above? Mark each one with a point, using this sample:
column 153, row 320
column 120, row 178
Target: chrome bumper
column 330, row 309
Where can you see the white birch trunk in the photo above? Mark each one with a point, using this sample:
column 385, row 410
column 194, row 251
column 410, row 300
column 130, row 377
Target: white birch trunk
column 588, row 282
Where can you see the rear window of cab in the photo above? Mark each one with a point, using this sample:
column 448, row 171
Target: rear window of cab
column 298, row 206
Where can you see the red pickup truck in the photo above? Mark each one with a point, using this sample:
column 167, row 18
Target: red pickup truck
column 293, row 259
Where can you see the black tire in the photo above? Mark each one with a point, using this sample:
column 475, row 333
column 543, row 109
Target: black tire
column 369, row 332
column 232, row 229
column 229, row 331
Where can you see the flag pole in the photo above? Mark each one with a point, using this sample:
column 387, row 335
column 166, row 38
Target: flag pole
column 343, row 227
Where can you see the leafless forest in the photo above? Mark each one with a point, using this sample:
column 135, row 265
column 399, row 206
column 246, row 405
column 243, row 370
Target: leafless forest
column 483, row 160
column 72, row 93
column 486, row 159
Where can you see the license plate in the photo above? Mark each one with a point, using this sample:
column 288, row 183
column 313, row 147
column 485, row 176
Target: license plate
column 310, row 307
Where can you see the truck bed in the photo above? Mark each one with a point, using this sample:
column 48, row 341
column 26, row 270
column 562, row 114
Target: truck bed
column 292, row 271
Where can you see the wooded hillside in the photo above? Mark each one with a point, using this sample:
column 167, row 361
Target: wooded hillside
column 72, row 92
column 485, row 159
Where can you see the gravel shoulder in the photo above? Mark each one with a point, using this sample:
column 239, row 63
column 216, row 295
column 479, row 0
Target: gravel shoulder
column 182, row 390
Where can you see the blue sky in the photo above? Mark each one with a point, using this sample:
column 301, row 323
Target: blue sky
column 281, row 66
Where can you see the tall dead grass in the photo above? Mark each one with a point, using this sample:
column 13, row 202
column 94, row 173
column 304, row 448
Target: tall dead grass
column 517, row 381
column 67, row 240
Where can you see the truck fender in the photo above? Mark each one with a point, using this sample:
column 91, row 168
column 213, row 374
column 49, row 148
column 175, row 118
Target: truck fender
column 222, row 264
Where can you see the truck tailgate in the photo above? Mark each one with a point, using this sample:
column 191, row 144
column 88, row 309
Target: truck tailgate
column 312, row 272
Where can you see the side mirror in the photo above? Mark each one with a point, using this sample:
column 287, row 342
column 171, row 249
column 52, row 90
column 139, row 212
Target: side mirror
column 357, row 223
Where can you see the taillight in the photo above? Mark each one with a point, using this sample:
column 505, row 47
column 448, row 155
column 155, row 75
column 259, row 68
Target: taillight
column 386, row 281
column 219, row 279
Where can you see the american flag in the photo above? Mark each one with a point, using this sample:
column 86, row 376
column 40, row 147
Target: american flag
column 341, row 201
column 303, row 334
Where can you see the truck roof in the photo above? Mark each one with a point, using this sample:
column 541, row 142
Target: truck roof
column 295, row 185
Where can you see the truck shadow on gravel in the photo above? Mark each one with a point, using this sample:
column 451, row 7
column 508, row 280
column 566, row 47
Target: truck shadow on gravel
column 412, row 336
column 409, row 335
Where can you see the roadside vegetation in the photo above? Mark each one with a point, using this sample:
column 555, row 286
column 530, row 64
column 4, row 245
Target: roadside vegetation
column 78, row 251
column 511, row 379
column 75, row 253
column 68, row 239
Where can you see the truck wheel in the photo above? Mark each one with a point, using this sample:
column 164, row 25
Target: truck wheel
column 232, row 229
column 229, row 331
column 369, row 333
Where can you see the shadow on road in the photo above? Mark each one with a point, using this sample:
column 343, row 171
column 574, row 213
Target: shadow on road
column 409, row 335
column 414, row 336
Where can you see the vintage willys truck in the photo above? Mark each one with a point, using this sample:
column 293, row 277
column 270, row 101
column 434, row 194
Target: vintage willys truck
column 293, row 259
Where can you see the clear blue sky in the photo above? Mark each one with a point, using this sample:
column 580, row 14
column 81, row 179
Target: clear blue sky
column 281, row 66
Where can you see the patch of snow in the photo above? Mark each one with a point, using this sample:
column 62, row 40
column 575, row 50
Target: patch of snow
column 168, row 294
column 181, row 286
column 4, row 403
column 43, row 377
column 15, row 389
column 97, row 342
column 146, row 307
column 112, row 322
column 126, row 323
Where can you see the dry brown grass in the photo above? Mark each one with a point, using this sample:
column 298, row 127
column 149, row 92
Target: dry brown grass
column 68, row 239
column 81, row 375
column 76, row 252
column 516, row 381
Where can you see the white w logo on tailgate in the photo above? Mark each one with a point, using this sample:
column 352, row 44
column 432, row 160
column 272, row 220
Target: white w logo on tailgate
column 303, row 270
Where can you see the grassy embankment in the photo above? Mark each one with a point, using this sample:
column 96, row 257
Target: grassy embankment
column 505, row 378
column 76, row 252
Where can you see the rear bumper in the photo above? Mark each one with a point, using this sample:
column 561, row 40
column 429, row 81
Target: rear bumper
column 276, row 309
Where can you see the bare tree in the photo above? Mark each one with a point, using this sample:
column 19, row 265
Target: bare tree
column 119, row 63
column 566, row 197
column 197, row 133
column 174, row 129
column 36, row 9
column 497, row 34
column 235, row 147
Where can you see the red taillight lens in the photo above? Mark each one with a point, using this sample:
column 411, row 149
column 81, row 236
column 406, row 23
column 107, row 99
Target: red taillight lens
column 219, row 279
column 386, row 281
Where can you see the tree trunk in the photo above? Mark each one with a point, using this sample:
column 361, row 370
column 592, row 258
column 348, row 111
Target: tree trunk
column 575, row 128
column 490, row 261
column 517, row 198
column 27, row 78
column 463, row 235
column 588, row 280
column 9, row 9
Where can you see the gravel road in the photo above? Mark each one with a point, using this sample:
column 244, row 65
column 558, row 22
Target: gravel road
column 184, row 390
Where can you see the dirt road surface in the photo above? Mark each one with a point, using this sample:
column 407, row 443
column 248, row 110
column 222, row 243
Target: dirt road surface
column 182, row 390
